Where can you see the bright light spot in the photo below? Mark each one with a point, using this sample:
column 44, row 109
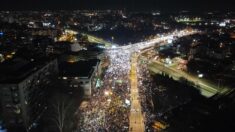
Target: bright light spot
column 65, row 78
column 106, row 93
column 124, row 16
column 168, row 60
column 114, row 46
column 169, row 41
column 222, row 24
column 200, row 75
column 128, row 102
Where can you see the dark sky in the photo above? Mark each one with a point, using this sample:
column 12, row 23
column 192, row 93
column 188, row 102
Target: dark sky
column 170, row 5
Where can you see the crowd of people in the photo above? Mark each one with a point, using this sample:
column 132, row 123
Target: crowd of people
column 145, row 84
column 109, row 107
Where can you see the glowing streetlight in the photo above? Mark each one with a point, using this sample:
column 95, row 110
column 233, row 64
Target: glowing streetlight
column 200, row 75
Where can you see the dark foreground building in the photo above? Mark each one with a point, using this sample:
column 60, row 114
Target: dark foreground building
column 23, row 93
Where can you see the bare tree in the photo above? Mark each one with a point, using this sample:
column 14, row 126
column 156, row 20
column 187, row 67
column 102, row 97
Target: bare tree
column 61, row 113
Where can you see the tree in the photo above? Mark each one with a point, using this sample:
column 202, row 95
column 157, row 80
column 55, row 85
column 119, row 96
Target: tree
column 61, row 113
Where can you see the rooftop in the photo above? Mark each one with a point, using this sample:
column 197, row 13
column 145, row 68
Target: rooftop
column 16, row 70
column 78, row 69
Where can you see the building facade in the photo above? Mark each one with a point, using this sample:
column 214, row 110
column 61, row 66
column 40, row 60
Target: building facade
column 23, row 96
column 81, row 74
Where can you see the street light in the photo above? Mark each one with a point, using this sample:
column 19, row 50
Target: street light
column 200, row 75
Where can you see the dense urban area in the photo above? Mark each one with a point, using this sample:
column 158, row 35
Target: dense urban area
column 117, row 71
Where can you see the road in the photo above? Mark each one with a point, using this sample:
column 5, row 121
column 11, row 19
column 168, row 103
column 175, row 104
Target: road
column 122, row 62
column 94, row 39
column 207, row 89
column 136, row 123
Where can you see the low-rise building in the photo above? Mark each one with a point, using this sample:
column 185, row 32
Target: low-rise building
column 80, row 73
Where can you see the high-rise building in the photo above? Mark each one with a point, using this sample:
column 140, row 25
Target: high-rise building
column 23, row 86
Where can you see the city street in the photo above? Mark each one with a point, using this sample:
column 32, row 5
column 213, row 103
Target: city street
column 117, row 66
column 116, row 105
column 207, row 89
column 136, row 116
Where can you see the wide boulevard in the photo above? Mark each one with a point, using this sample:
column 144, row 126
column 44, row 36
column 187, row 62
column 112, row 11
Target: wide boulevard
column 116, row 106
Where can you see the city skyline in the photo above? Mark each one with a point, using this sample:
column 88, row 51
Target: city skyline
column 116, row 70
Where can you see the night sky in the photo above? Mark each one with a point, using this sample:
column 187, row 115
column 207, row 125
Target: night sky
column 170, row 5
